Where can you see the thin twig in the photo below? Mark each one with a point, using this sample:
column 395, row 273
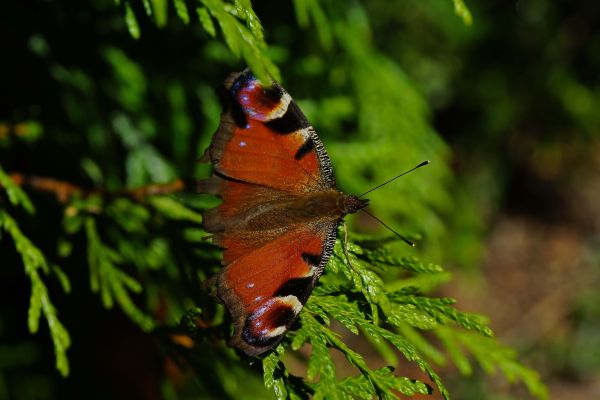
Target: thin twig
column 65, row 191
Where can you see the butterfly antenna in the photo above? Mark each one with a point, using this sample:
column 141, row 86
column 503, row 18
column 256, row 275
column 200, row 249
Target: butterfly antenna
column 393, row 179
column 408, row 242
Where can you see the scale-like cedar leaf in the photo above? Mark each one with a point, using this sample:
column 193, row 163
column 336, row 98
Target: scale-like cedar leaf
column 206, row 21
column 338, row 307
column 112, row 282
column 410, row 314
column 181, row 11
column 461, row 9
column 492, row 355
column 272, row 375
column 171, row 208
column 131, row 21
column 40, row 303
column 15, row 194
column 442, row 311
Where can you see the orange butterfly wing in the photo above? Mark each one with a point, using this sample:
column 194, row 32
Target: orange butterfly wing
column 265, row 139
column 279, row 215
column 264, row 290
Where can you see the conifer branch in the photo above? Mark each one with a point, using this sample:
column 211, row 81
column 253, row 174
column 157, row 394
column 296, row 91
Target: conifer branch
column 40, row 304
column 353, row 294
column 110, row 281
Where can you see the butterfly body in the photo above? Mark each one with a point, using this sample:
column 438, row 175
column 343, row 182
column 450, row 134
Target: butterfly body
column 280, row 211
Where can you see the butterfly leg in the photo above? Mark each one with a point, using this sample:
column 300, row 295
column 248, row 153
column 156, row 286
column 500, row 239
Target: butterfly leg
column 208, row 283
column 345, row 228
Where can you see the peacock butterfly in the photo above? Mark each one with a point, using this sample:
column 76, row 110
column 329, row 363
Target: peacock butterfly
column 279, row 213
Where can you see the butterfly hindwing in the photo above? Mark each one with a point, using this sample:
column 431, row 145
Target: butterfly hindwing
column 265, row 289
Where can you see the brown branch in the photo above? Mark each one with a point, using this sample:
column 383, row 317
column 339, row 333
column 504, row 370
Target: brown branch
column 154, row 189
column 64, row 191
column 20, row 129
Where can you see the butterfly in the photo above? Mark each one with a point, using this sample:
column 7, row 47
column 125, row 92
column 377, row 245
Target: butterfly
column 280, row 209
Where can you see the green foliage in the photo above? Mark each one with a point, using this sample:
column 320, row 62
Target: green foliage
column 35, row 264
column 491, row 356
column 310, row 12
column 15, row 195
column 173, row 209
column 462, row 11
column 241, row 28
column 111, row 282
column 377, row 111
column 131, row 21
column 129, row 125
column 352, row 293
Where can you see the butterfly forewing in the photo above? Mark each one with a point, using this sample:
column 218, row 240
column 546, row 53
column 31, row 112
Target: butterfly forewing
column 265, row 139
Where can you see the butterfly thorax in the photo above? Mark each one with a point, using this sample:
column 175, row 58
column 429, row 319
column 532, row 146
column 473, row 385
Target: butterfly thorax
column 349, row 203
